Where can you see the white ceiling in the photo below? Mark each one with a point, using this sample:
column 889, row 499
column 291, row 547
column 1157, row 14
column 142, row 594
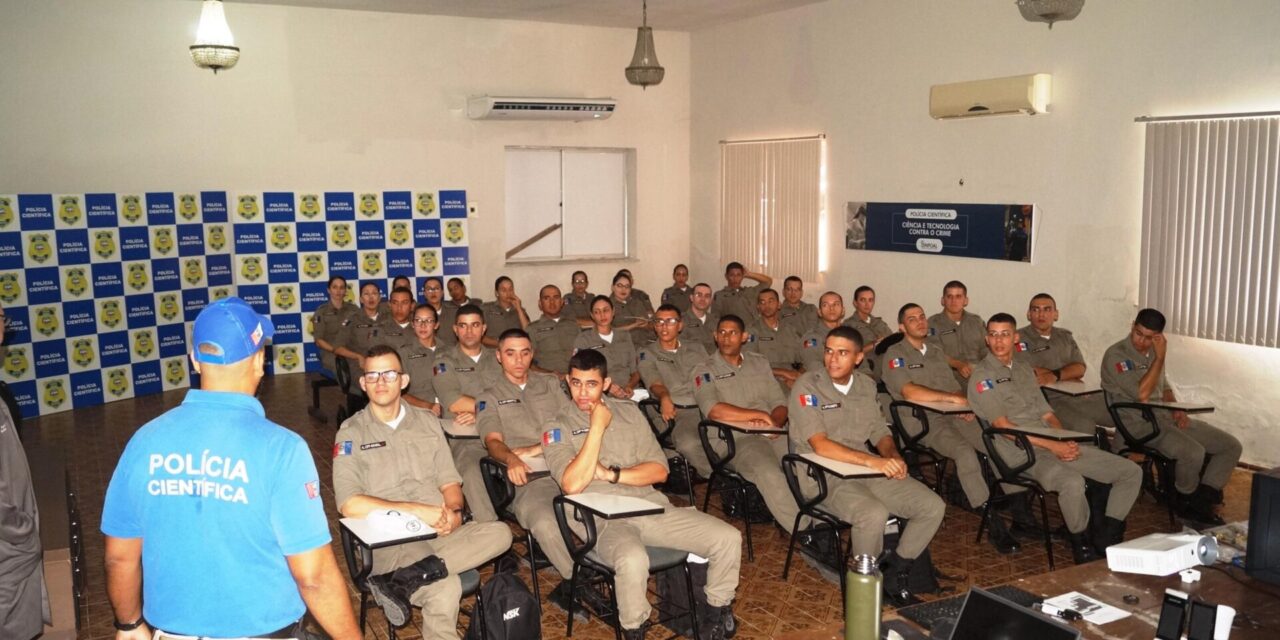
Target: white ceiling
column 672, row 15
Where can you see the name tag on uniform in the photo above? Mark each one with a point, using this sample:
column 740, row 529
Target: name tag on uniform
column 1000, row 380
column 915, row 366
column 546, row 329
column 943, row 333
column 830, row 406
column 1039, row 349
column 415, row 356
column 373, row 445
column 766, row 338
column 509, row 401
column 726, row 375
column 578, row 432
column 465, row 369
column 666, row 360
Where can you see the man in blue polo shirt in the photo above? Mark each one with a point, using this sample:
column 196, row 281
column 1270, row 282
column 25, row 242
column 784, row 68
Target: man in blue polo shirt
column 220, row 508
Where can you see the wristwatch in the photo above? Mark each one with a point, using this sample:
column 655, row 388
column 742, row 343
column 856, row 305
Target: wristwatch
column 617, row 474
column 130, row 626
column 1057, row 374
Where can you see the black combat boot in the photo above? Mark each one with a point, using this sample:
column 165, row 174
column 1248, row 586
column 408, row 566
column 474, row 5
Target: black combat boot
column 1110, row 531
column 1024, row 523
column 897, row 577
column 1081, row 549
column 1000, row 537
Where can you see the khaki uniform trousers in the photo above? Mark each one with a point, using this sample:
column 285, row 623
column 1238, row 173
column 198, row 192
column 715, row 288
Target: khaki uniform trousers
column 1067, row 478
column 468, row 547
column 1082, row 413
column 1189, row 447
column 532, row 508
column 867, row 504
column 960, row 441
column 759, row 460
column 467, row 454
column 621, row 544
column 685, row 437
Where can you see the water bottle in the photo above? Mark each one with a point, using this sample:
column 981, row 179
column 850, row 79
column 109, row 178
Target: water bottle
column 862, row 599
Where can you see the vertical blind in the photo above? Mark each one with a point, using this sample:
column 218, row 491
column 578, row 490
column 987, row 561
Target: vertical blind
column 1210, row 259
column 771, row 205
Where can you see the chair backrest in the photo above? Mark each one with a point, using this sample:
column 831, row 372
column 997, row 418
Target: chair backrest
column 652, row 410
column 498, row 485
column 342, row 371
column 579, row 550
column 903, row 439
column 1131, row 440
column 724, row 433
column 791, row 464
column 1007, row 472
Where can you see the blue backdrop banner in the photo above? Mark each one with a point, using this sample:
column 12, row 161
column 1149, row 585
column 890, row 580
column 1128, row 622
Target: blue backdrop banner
column 991, row 231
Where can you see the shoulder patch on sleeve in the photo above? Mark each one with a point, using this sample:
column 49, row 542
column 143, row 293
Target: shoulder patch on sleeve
column 342, row 448
column 551, row 436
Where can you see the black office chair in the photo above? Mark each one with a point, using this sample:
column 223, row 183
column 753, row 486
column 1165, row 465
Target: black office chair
column 319, row 381
column 652, row 410
column 360, row 564
column 354, row 401
column 744, row 489
column 916, row 454
column 597, row 573
column 501, row 493
column 1157, row 468
column 825, row 522
column 1013, row 475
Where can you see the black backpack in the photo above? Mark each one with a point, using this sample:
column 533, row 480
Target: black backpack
column 510, row 612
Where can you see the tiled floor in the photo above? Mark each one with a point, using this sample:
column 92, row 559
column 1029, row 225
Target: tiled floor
column 767, row 605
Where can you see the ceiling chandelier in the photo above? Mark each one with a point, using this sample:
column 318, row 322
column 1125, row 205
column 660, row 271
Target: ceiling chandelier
column 215, row 47
column 644, row 69
column 1050, row 11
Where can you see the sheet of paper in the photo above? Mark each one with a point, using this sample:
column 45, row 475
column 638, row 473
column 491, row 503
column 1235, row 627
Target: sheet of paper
column 1092, row 609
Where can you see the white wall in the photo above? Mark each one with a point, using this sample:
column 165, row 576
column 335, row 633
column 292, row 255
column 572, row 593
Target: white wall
column 860, row 72
column 103, row 96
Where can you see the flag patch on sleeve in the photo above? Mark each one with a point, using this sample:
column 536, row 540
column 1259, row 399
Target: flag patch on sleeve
column 480, row 406
column 1124, row 365
column 897, row 363
column 551, row 436
column 313, row 489
column 342, row 448
column 985, row 385
column 1020, row 346
column 698, row 380
column 811, row 342
column 808, row 400
column 438, row 369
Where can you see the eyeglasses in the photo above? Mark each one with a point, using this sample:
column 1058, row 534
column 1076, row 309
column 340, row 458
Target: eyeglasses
column 386, row 376
column 622, row 285
column 999, row 334
column 579, row 281
column 667, row 321
column 422, row 322
column 432, row 289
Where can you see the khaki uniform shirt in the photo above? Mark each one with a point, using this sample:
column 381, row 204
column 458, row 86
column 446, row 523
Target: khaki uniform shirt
column 498, row 319
column 634, row 308
column 748, row 386
column 446, row 315
column 995, row 390
column 812, row 345
column 419, row 362
column 964, row 341
column 396, row 336
column 699, row 331
column 874, row 328
column 740, row 302
column 817, row 406
column 678, row 298
column 903, row 364
column 575, row 307
column 520, row 415
column 327, row 324
column 672, row 369
column 458, row 375
column 640, row 294
column 553, row 340
column 1122, row 369
column 1055, row 352
column 627, row 442
column 410, row 463
column 362, row 332
column 781, row 346
column 801, row 318
column 620, row 355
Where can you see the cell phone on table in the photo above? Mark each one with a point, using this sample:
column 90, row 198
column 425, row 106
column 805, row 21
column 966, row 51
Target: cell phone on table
column 1173, row 615
column 1204, row 618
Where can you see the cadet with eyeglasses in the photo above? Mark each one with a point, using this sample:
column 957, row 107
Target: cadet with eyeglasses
column 775, row 340
column 577, row 302
column 800, row 315
column 418, row 358
column 433, row 294
column 666, row 367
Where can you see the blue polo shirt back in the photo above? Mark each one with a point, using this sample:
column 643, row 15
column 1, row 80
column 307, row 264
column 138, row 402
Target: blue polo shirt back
column 219, row 495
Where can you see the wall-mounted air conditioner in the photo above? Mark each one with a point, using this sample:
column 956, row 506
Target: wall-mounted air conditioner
column 1027, row 94
column 512, row 108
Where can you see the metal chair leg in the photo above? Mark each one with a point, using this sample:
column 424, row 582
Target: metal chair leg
column 573, row 600
column 693, row 601
column 746, row 518
column 1044, row 523
column 791, row 547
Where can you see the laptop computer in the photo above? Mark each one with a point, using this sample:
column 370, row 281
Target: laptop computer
column 986, row 616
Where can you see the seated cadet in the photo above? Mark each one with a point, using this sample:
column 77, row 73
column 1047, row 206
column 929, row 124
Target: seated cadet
column 363, row 330
column 677, row 295
column 801, row 315
column 666, row 367
column 736, row 299
column 458, row 294
column 603, row 445
column 433, row 293
column 1003, row 391
column 614, row 345
column 1053, row 355
column 873, row 328
column 393, row 456
column 517, row 407
column 402, row 281
column 1133, row 370
column 771, row 338
column 636, row 292
column 834, row 413
column 958, row 332
column 735, row 386
column 419, row 358
column 505, row 312
column 830, row 313
column 632, row 314
column 577, row 303
column 915, row 369
column 399, row 331
column 461, row 373
column 553, row 334
column 328, row 322
column 699, row 322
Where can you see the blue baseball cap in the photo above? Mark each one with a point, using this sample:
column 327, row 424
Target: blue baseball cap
column 228, row 331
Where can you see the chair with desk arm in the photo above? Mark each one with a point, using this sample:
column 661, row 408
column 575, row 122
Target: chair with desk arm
column 1157, row 468
column 652, row 410
column 353, row 402
column 501, row 494
column 811, row 507
column 1013, row 475
column 744, row 489
column 913, row 450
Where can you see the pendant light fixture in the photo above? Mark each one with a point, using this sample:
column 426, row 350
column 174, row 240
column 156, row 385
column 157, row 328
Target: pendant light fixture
column 1050, row 11
column 215, row 47
column 644, row 69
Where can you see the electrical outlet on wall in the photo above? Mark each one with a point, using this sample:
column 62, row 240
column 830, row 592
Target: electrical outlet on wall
column 472, row 209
